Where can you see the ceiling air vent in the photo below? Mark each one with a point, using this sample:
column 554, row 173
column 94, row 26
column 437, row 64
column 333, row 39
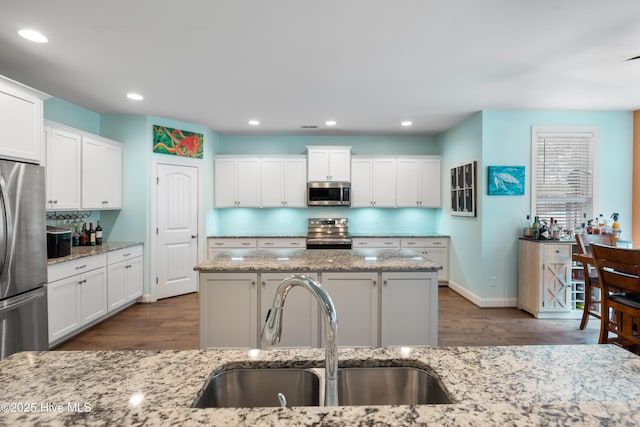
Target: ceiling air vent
column 309, row 127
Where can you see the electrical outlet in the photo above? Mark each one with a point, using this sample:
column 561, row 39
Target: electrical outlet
column 493, row 281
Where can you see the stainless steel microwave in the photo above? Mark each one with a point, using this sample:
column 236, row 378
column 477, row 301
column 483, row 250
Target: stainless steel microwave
column 328, row 193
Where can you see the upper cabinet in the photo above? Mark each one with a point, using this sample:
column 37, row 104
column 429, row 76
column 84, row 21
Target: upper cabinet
column 237, row 182
column 329, row 163
column 373, row 182
column 63, row 164
column 84, row 171
column 283, row 182
column 20, row 121
column 418, row 182
column 101, row 174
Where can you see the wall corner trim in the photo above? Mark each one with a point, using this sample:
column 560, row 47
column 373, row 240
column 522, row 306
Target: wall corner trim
column 479, row 301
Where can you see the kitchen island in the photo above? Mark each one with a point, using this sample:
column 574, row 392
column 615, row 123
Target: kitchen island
column 383, row 296
column 531, row 385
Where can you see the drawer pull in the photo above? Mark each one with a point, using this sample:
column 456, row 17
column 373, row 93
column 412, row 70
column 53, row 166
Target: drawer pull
column 267, row 243
column 127, row 254
column 245, row 243
column 81, row 266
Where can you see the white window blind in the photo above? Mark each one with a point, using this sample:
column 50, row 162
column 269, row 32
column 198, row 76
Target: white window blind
column 563, row 176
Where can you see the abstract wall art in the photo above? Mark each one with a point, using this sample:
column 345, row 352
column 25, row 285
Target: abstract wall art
column 177, row 142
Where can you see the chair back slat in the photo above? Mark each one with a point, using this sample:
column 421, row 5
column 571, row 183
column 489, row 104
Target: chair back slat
column 618, row 268
column 584, row 241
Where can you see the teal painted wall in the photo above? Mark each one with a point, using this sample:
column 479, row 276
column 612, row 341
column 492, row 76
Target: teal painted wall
column 463, row 144
column 63, row 112
column 484, row 250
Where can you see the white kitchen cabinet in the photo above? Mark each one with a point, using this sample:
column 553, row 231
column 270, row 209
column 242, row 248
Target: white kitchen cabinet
column 63, row 167
column 101, row 173
column 228, row 310
column 409, row 309
column 419, row 182
column 283, row 182
column 21, row 118
column 329, row 163
column 125, row 276
column 544, row 279
column 355, row 296
column 300, row 314
column 373, row 182
column 434, row 248
column 237, row 182
column 76, row 296
column 375, row 242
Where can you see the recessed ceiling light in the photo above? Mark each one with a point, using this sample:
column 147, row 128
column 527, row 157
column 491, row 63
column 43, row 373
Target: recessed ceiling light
column 135, row 96
column 406, row 123
column 33, row 35
column 330, row 123
column 254, row 122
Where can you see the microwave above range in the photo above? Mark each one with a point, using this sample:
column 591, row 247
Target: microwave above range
column 328, row 193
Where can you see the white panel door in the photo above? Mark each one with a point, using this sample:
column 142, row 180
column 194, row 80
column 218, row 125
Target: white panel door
column 93, row 295
column 295, row 183
column 408, row 184
column 384, row 183
column 225, row 183
column 92, row 174
column 248, row 183
column 430, row 188
column 361, row 183
column 340, row 165
column 113, row 176
column 21, row 124
column 177, row 220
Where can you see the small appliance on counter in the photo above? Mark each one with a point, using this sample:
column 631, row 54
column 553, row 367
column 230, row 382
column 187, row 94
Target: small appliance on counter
column 58, row 242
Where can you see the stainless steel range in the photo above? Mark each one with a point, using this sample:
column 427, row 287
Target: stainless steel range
column 328, row 233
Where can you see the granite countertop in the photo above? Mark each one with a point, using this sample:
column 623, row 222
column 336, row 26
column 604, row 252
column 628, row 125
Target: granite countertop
column 317, row 260
column 84, row 251
column 530, row 385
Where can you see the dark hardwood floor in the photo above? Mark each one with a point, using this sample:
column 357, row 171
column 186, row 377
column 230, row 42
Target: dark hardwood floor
column 172, row 324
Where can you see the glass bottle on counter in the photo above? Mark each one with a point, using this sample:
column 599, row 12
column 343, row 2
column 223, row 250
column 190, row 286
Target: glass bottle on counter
column 75, row 235
column 535, row 229
column 544, row 231
column 98, row 234
column 92, row 235
column 83, row 235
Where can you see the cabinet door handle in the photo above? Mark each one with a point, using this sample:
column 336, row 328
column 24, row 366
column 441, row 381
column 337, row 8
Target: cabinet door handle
column 194, row 236
column 80, row 267
column 264, row 283
column 384, row 282
column 253, row 283
column 127, row 254
column 374, row 282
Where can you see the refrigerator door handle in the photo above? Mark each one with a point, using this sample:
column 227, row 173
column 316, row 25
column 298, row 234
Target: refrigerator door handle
column 5, row 225
column 20, row 300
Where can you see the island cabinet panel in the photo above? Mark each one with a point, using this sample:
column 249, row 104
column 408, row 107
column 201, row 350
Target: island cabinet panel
column 355, row 296
column 300, row 316
column 228, row 310
column 409, row 309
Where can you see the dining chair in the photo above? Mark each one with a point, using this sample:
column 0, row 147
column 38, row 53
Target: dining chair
column 592, row 289
column 619, row 275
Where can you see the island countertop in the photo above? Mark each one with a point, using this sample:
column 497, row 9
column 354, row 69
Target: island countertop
column 317, row 260
column 530, row 385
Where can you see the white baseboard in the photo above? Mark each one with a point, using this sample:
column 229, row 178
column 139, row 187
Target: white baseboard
column 482, row 302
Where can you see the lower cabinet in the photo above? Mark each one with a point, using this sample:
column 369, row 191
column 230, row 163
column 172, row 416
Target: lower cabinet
column 355, row 296
column 125, row 276
column 77, row 298
column 374, row 309
column 299, row 317
column 87, row 290
column 228, row 310
column 409, row 309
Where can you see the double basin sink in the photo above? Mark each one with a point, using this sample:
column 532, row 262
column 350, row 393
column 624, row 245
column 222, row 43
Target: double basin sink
column 261, row 387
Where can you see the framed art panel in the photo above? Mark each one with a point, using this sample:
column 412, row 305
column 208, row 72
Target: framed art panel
column 506, row 181
column 463, row 189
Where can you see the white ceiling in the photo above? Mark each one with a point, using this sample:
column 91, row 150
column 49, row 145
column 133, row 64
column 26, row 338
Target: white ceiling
column 368, row 64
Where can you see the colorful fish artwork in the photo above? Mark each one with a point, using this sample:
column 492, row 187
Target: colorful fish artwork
column 177, row 142
column 506, row 180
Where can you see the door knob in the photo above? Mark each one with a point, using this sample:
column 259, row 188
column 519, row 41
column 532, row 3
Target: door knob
column 194, row 236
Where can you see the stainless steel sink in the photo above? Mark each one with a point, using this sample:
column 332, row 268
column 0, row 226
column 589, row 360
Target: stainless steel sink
column 260, row 387
column 389, row 386
column 256, row 387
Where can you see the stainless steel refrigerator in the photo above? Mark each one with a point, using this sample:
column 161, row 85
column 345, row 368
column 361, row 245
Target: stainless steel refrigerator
column 23, row 258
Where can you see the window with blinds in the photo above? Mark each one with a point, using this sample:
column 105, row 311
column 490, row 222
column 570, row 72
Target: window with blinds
column 562, row 176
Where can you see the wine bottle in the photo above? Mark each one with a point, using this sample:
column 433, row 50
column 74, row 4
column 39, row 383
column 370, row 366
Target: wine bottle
column 98, row 234
column 83, row 235
column 92, row 235
column 535, row 229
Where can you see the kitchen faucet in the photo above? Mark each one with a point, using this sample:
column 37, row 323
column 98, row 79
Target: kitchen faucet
column 273, row 328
